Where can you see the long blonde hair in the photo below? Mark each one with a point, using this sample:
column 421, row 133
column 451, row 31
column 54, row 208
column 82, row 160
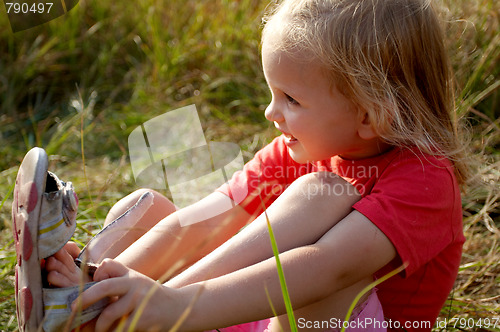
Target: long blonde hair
column 386, row 56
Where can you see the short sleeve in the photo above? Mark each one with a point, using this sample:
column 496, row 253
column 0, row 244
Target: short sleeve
column 416, row 204
column 264, row 177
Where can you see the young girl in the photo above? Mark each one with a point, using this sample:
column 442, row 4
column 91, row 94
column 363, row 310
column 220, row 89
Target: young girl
column 364, row 179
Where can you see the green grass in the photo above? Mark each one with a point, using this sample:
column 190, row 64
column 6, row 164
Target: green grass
column 132, row 61
column 281, row 275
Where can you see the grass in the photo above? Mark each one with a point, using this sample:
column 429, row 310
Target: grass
column 281, row 274
column 95, row 74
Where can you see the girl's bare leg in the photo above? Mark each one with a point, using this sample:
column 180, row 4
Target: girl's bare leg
column 62, row 270
column 156, row 243
column 310, row 207
column 161, row 208
column 129, row 229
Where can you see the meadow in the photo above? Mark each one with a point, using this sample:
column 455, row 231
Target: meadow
column 78, row 85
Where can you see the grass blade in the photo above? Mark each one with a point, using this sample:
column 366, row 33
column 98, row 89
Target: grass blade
column 284, row 289
column 368, row 288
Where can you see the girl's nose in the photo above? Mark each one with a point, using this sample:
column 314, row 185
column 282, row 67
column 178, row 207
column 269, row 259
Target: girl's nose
column 273, row 113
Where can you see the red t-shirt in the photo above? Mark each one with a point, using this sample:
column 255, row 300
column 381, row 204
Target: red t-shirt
column 412, row 197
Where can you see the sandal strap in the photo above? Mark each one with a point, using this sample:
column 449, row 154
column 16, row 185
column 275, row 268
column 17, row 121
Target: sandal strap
column 57, row 308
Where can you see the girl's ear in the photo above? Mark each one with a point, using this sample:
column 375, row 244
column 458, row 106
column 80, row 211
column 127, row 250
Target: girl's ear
column 365, row 127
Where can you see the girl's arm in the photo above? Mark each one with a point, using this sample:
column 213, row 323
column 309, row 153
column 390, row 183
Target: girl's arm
column 351, row 251
column 299, row 217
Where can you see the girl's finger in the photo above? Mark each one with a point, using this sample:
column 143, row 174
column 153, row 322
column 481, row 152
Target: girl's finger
column 59, row 279
column 101, row 290
column 110, row 269
column 72, row 248
column 112, row 314
column 54, row 264
column 65, row 257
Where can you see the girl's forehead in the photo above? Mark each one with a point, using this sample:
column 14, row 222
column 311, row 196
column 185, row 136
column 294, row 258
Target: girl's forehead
column 274, row 51
column 271, row 43
column 275, row 60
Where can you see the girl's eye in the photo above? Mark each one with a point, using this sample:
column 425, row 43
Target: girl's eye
column 291, row 100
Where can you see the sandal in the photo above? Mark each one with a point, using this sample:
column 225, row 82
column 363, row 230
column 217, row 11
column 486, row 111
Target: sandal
column 44, row 219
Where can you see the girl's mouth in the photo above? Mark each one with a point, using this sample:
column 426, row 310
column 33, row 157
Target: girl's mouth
column 290, row 140
column 289, row 137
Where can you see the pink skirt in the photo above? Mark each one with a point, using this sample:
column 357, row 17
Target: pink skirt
column 368, row 317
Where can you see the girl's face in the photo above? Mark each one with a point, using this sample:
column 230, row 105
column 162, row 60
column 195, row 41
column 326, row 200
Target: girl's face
column 316, row 119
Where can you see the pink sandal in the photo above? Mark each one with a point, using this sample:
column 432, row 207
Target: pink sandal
column 44, row 219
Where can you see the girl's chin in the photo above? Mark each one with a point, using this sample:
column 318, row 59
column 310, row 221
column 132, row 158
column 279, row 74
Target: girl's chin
column 299, row 156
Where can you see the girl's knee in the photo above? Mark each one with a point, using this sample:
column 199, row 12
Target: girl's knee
column 158, row 199
column 161, row 207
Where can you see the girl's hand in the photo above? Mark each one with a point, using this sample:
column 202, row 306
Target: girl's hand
column 132, row 294
column 61, row 268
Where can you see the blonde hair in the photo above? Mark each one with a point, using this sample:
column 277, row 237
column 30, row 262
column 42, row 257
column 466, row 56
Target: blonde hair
column 386, row 56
